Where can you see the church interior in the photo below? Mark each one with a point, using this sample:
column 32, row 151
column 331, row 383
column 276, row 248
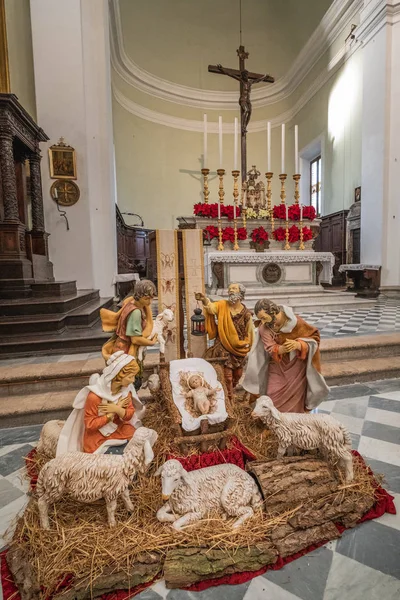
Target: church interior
column 199, row 298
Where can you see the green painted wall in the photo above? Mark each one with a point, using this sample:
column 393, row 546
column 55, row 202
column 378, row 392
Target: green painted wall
column 20, row 53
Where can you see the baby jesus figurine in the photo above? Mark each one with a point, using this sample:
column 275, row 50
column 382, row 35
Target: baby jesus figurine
column 204, row 400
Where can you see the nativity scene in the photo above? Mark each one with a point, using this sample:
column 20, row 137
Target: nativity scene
column 196, row 438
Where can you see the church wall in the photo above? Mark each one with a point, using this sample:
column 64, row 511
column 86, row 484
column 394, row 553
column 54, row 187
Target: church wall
column 20, row 53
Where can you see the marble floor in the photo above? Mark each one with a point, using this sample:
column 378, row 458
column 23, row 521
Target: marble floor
column 364, row 564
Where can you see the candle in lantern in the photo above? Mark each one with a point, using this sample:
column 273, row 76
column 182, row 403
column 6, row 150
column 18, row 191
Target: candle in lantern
column 220, row 141
column 283, row 149
column 287, row 213
column 205, row 141
column 235, row 164
column 269, row 147
column 296, row 149
column 55, row 193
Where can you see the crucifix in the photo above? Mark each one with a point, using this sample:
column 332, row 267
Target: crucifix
column 246, row 79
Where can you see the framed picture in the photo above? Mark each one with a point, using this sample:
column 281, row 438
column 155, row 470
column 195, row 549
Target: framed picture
column 62, row 161
column 357, row 194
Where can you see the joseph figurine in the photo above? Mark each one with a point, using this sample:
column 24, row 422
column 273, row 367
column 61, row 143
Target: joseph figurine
column 230, row 324
column 284, row 362
column 131, row 325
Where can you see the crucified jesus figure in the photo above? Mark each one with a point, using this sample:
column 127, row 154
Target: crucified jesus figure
column 245, row 89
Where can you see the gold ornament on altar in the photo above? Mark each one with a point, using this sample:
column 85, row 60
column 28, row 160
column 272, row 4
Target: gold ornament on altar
column 65, row 193
column 62, row 161
column 253, row 191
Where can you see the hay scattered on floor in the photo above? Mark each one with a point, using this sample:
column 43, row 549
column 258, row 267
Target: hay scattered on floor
column 81, row 543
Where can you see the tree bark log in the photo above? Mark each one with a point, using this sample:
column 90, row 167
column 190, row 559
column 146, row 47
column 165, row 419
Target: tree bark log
column 185, row 566
column 289, row 540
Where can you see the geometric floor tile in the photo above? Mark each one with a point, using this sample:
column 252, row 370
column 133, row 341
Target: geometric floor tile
column 380, row 450
column 263, row 589
column 222, row 592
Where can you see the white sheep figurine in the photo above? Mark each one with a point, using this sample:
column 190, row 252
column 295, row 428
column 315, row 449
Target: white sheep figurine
column 307, row 432
column 48, row 440
column 192, row 495
column 159, row 328
column 89, row 477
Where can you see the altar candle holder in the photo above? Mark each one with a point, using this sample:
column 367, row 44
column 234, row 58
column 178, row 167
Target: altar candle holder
column 296, row 188
column 269, row 176
column 235, row 175
column 220, row 242
column 282, row 177
column 287, row 245
column 301, row 245
column 221, row 194
column 206, row 191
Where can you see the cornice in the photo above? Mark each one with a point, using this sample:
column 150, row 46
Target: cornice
column 340, row 13
column 374, row 17
column 255, row 126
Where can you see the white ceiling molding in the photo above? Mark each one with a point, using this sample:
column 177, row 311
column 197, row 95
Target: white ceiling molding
column 338, row 16
column 374, row 18
column 255, row 126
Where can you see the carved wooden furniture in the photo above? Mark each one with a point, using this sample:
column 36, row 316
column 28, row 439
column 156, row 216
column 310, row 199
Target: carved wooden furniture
column 23, row 239
column 332, row 238
column 204, row 437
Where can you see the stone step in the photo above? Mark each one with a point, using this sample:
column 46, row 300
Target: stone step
column 56, row 288
column 47, row 304
column 359, row 347
column 356, row 371
column 313, row 304
column 34, row 409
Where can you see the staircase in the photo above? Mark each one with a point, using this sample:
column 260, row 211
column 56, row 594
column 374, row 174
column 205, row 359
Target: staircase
column 35, row 393
column 55, row 318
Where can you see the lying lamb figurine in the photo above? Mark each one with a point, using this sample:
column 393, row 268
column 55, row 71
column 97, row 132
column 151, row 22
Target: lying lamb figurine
column 153, row 385
column 191, row 496
column 89, row 477
column 48, row 440
column 160, row 325
column 307, row 432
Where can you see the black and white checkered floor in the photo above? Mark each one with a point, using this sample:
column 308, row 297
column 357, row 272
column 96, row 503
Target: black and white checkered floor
column 362, row 565
column 381, row 318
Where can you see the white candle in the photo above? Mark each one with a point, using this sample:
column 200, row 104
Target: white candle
column 269, row 147
column 235, row 163
column 283, row 149
column 220, row 141
column 234, row 211
column 287, row 213
column 205, row 141
column 55, row 193
column 301, row 212
column 219, row 210
column 296, row 149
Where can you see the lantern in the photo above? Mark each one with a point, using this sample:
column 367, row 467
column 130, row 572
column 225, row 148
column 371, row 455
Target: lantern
column 198, row 322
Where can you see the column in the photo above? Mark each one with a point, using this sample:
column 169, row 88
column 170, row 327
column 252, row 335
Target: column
column 36, row 193
column 73, row 97
column 380, row 176
column 8, row 178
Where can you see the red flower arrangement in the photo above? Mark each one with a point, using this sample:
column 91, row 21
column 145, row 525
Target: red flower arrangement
column 242, row 233
column 210, row 232
column 279, row 234
column 259, row 235
column 228, row 234
column 210, row 211
column 294, row 212
column 294, row 234
column 307, row 234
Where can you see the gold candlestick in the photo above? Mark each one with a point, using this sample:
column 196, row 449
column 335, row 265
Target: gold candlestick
column 206, row 191
column 296, row 188
column 301, row 245
column 287, row 245
column 235, row 175
column 282, row 177
column 269, row 200
column 220, row 243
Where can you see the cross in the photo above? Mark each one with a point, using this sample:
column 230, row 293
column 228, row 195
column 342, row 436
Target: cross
column 246, row 79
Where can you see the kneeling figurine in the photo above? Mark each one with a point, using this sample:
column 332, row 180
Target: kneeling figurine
column 307, row 432
column 192, row 495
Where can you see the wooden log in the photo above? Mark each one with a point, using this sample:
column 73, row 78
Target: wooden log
column 185, row 566
column 288, row 540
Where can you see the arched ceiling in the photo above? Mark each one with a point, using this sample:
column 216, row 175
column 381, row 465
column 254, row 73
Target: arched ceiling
column 176, row 39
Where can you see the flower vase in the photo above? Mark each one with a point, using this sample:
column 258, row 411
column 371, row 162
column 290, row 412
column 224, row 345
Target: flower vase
column 259, row 246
